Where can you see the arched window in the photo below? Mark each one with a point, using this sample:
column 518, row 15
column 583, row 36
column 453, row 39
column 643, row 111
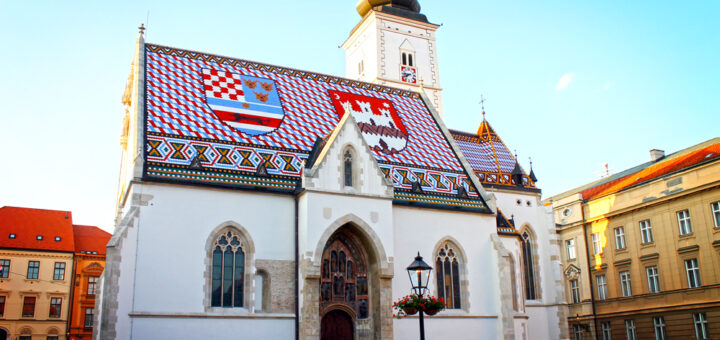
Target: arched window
column 447, row 269
column 529, row 267
column 404, row 58
column 348, row 168
column 228, row 269
column 410, row 59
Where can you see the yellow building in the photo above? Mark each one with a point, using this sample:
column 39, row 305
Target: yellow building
column 36, row 259
column 641, row 249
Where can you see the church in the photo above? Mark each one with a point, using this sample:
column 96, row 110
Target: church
column 264, row 202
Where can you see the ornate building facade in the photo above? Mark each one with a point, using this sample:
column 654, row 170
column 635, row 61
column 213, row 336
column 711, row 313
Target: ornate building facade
column 295, row 201
column 640, row 249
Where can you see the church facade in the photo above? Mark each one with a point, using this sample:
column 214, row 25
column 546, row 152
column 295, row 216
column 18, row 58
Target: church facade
column 273, row 203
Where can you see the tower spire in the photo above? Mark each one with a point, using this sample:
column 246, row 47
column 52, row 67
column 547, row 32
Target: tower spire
column 482, row 105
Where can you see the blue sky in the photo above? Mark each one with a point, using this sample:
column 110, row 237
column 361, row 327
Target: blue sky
column 572, row 84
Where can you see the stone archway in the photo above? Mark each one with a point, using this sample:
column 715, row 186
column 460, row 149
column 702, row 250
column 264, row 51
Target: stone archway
column 371, row 310
column 3, row 334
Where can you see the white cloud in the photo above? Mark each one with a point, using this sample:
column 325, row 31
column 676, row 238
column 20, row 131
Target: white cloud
column 564, row 81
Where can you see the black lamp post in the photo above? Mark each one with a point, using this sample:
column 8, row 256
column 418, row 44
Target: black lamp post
column 419, row 273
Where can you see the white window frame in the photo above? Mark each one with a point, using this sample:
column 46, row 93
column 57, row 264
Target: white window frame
column 605, row 327
column 625, row 283
column 692, row 269
column 715, row 207
column 646, row 234
column 684, row 223
column 570, row 249
column 619, row 237
column 659, row 327
column 653, row 279
column 597, row 249
column 630, row 330
column 575, row 291
column 701, row 326
column 578, row 332
column 601, row 282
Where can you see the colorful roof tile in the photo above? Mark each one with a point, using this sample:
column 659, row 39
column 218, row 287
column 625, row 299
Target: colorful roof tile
column 229, row 116
column 654, row 171
column 90, row 239
column 505, row 226
column 36, row 229
column 490, row 158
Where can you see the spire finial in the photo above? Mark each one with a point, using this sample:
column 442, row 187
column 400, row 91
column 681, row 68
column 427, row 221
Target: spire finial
column 530, row 158
column 142, row 29
column 515, row 154
column 482, row 105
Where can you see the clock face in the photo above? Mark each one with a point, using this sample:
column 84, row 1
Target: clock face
column 408, row 74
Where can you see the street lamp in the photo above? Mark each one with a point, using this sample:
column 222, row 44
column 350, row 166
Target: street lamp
column 419, row 273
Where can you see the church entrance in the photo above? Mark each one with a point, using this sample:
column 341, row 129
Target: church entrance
column 344, row 296
column 336, row 325
column 3, row 334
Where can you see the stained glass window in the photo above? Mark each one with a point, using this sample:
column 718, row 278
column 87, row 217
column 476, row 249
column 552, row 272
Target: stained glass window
column 529, row 267
column 343, row 279
column 447, row 269
column 228, row 269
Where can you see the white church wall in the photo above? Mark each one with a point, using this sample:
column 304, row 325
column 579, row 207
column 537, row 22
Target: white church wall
column 363, row 47
column 126, row 241
column 202, row 328
column 174, row 230
column 421, row 230
column 444, row 328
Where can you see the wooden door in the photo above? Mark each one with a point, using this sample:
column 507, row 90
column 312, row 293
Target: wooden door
column 336, row 325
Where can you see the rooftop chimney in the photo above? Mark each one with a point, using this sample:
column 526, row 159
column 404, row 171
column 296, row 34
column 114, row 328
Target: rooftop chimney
column 656, row 155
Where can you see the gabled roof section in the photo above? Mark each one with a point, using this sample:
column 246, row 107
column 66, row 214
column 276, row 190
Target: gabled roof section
column 90, row 239
column 504, row 225
column 231, row 116
column 54, row 227
column 683, row 160
column 491, row 159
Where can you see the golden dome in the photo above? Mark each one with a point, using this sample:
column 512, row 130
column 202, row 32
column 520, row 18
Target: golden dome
column 364, row 6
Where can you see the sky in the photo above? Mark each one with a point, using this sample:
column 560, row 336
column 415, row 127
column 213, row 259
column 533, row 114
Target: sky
column 572, row 84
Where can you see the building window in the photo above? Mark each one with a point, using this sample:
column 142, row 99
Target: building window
column 605, row 327
column 447, row 270
column 620, row 238
column 529, row 267
column 684, row 224
column 630, row 330
column 646, row 235
column 625, row 283
column 577, row 330
column 4, row 269
column 653, row 279
column 52, row 337
column 716, row 213
column 659, row 326
column 59, row 273
column 597, row 248
column 348, row 171
column 701, row 326
column 693, row 273
column 89, row 317
column 228, row 269
column 55, row 307
column 28, row 307
column 570, row 249
column 601, row 287
column 361, row 67
column 33, row 270
column 92, row 285
column 2, row 306
column 407, row 59
column 575, row 291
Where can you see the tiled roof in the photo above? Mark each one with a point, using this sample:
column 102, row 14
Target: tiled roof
column 654, row 171
column 232, row 115
column 89, row 239
column 55, row 228
column 489, row 157
column 504, row 225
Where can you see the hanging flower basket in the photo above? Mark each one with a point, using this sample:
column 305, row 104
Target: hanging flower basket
column 411, row 304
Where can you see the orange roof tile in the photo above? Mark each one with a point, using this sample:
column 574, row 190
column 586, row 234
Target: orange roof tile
column 654, row 171
column 27, row 224
column 90, row 239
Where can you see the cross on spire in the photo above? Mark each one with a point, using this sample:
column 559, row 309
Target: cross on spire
column 482, row 105
column 142, row 29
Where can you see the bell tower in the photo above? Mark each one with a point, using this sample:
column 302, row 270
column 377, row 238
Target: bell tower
column 394, row 45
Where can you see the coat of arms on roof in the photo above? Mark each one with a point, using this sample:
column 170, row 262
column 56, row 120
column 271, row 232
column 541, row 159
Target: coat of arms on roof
column 248, row 104
column 377, row 119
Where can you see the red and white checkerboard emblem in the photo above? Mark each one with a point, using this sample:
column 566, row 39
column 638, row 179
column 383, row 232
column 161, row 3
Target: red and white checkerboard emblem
column 249, row 104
